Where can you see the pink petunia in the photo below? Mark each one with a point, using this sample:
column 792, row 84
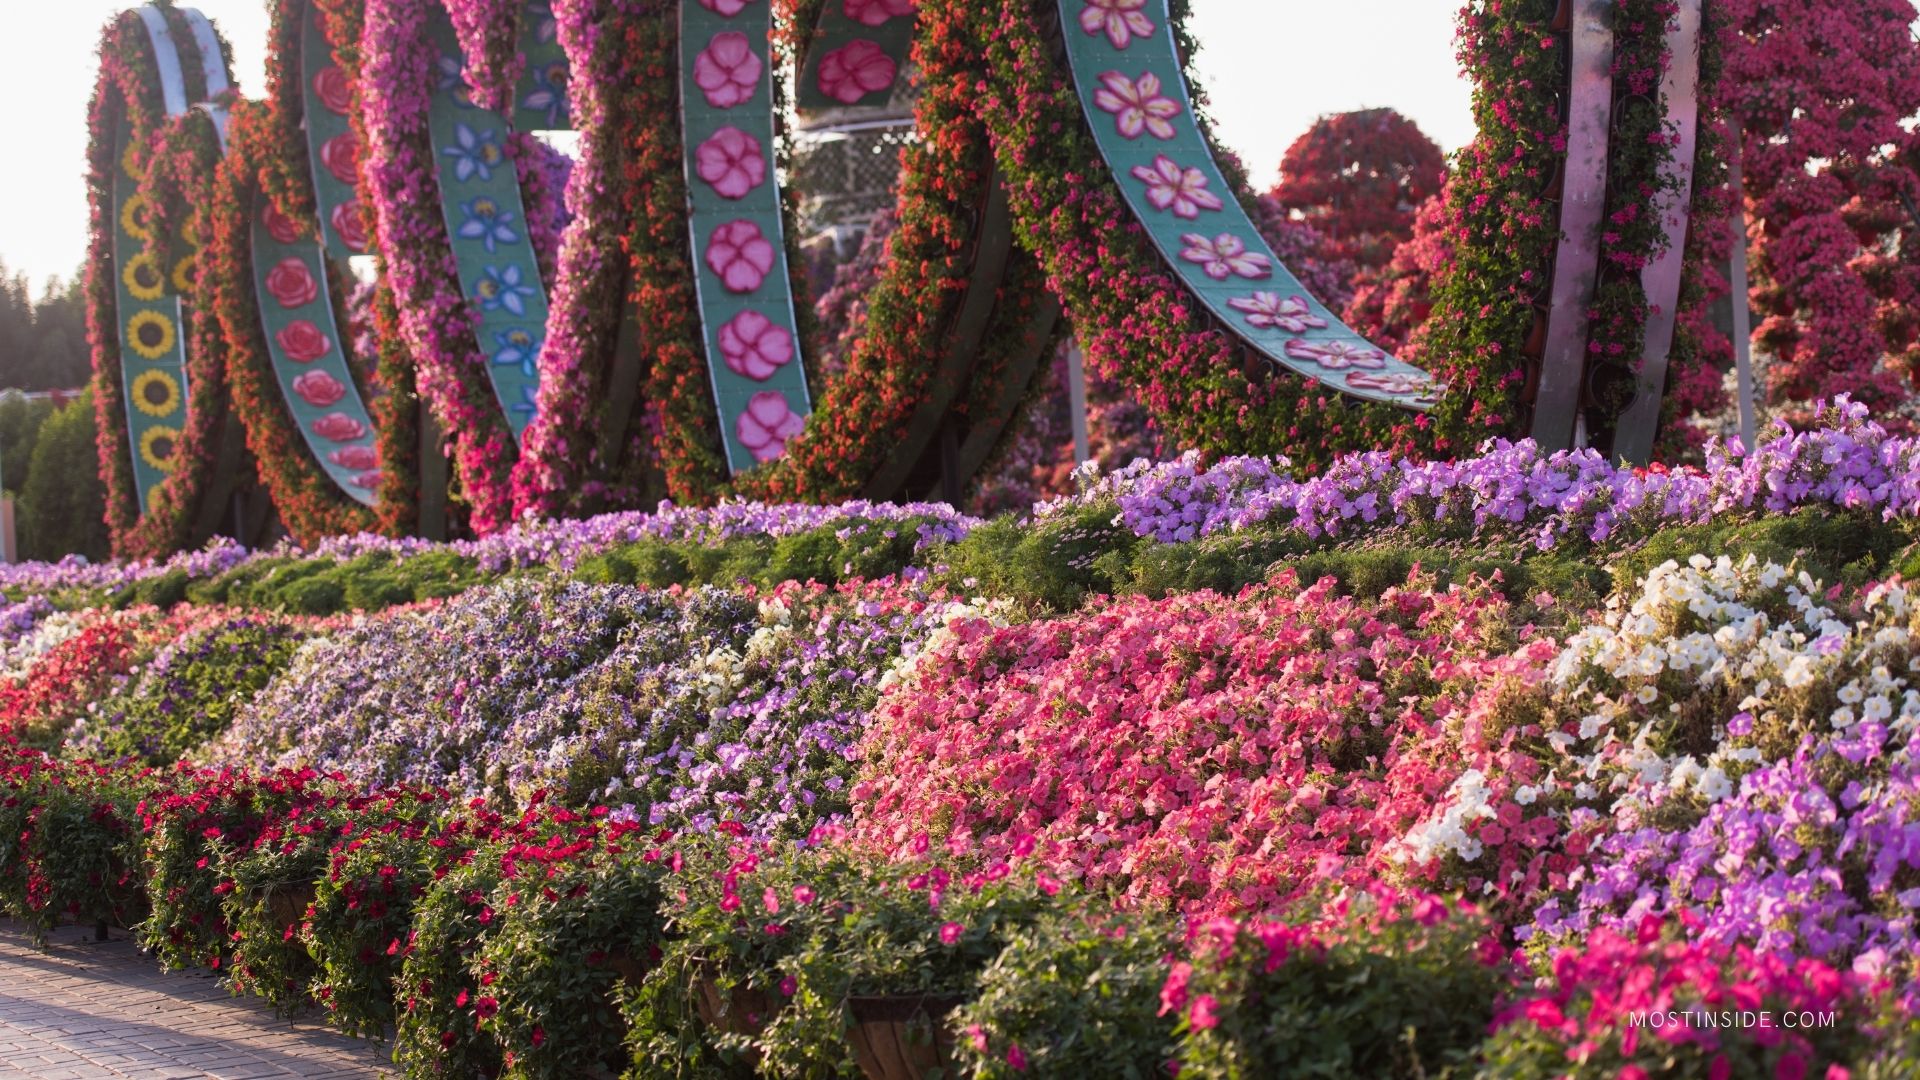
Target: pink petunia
column 1202, row 1016
column 766, row 424
column 727, row 71
column 855, row 70
column 1171, row 187
column 875, row 12
column 1225, row 256
column 754, row 346
column 741, row 254
column 1271, row 311
column 951, row 933
column 1120, row 20
column 731, row 162
column 1137, row 105
column 1336, row 355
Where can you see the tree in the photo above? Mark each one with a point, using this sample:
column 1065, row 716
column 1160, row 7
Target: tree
column 1391, row 303
column 63, row 504
column 1359, row 178
column 20, row 421
column 43, row 344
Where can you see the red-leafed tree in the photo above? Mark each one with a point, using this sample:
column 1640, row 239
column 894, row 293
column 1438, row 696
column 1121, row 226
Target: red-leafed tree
column 1391, row 302
column 1819, row 91
column 1358, row 178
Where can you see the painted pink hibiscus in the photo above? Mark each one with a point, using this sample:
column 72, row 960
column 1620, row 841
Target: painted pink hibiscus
column 318, row 389
column 1170, row 187
column 741, row 254
column 1120, row 20
column 727, row 70
column 1336, row 355
column 766, row 425
column 1394, row 382
column 367, row 481
column 339, row 427
column 1225, row 256
column 1271, row 311
column 731, row 162
column 725, row 8
column 1137, row 105
column 754, row 346
column 875, row 12
column 855, row 70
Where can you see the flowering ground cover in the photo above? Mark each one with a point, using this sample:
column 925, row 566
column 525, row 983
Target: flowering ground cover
column 1404, row 769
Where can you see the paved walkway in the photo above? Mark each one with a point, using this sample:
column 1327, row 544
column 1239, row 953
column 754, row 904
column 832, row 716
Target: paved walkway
column 98, row 1011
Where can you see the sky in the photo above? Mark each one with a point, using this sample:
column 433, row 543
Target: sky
column 1270, row 67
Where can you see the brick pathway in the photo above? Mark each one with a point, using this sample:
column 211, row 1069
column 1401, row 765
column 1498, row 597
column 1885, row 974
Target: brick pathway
column 97, row 1011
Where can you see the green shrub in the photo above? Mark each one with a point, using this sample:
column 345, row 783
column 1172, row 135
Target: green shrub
column 1055, row 563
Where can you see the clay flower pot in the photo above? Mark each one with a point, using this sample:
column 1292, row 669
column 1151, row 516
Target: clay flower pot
column 901, row 1036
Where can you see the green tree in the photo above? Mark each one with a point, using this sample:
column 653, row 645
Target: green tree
column 63, row 504
column 20, row 421
column 43, row 343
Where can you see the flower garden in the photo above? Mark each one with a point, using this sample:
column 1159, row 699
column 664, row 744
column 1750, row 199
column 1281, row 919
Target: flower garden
column 1505, row 766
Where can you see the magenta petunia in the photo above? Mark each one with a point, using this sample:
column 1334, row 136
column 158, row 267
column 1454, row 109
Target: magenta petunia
column 731, row 162
column 766, row 424
column 854, row 70
column 727, row 70
column 741, row 254
column 754, row 346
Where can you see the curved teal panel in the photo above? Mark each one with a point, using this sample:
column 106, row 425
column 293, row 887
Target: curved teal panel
column 1133, row 88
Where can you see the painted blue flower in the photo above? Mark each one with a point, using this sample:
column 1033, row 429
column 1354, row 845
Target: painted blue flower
column 477, row 153
column 453, row 78
column 518, row 347
column 549, row 94
column 540, row 13
column 488, row 222
column 502, row 288
column 528, row 404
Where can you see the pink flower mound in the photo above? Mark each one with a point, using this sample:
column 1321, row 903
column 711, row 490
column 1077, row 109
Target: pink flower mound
column 1222, row 754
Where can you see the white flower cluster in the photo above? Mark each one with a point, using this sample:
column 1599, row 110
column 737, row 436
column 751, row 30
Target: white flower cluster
column 1752, row 630
column 995, row 612
column 1467, row 800
column 59, row 627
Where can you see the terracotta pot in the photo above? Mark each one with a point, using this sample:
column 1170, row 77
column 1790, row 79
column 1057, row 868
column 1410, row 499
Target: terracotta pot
column 743, row 1011
column 901, row 1037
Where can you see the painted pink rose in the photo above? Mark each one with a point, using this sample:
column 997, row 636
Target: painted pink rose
column 303, row 342
column 854, row 70
column 319, row 389
column 368, row 481
column 1336, row 355
column 355, row 457
column 741, row 254
column 1271, row 311
column 1137, row 105
column 754, row 346
column 278, row 225
column 1120, row 20
column 766, row 425
column 350, row 221
column 725, row 8
column 732, row 162
column 875, row 12
column 334, row 90
column 339, row 427
column 727, row 70
column 1225, row 256
column 1181, row 190
column 341, row 156
column 291, row 283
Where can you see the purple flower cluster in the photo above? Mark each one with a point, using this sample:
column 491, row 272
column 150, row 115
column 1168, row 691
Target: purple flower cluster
column 1846, row 461
column 19, row 618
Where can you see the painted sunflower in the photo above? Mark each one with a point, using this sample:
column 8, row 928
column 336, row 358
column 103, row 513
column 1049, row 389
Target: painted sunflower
column 183, row 273
column 150, row 334
column 158, row 445
column 127, row 163
column 133, row 218
column 142, row 278
column 156, row 392
column 153, row 498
